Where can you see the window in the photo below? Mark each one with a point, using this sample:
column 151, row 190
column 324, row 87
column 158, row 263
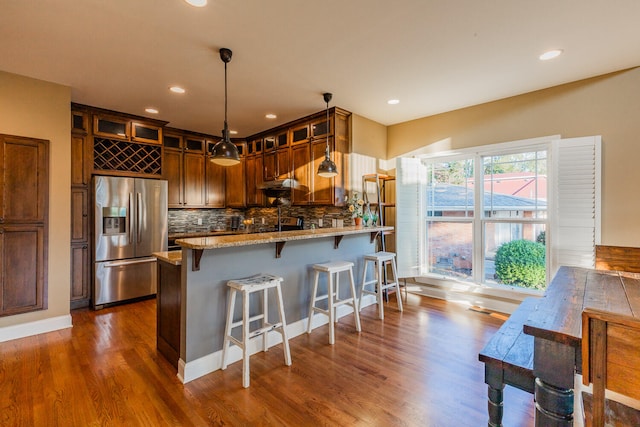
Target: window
column 536, row 206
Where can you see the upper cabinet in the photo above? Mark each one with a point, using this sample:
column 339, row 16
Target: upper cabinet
column 295, row 150
column 236, row 181
column 193, row 180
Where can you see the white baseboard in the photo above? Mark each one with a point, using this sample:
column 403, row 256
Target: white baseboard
column 212, row 362
column 34, row 328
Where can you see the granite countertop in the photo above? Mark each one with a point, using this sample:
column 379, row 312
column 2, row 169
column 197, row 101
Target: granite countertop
column 172, row 257
column 212, row 233
column 246, row 239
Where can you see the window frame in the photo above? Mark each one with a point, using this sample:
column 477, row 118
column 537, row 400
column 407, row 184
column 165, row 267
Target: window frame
column 553, row 144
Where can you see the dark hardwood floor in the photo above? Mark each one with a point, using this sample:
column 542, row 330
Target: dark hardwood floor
column 417, row 368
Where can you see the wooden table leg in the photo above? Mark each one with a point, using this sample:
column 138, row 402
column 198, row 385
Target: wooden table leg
column 553, row 365
column 493, row 376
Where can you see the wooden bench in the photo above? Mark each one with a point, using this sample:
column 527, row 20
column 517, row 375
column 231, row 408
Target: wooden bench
column 508, row 360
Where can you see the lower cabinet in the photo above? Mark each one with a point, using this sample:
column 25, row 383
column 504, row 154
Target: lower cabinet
column 168, row 311
column 22, row 273
column 80, row 275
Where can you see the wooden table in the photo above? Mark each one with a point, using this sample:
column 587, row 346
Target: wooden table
column 556, row 325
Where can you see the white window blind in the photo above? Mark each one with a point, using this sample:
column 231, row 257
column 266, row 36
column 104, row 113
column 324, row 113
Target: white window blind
column 410, row 233
column 576, row 182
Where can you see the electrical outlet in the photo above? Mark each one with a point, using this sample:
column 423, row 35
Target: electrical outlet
column 199, row 221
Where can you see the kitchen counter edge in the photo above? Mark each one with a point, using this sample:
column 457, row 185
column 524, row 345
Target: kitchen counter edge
column 215, row 242
column 171, row 257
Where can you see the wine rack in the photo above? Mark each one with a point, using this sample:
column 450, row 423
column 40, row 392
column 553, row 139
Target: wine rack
column 114, row 155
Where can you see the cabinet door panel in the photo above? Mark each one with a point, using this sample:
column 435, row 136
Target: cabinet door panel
column 215, row 188
column 24, row 180
column 235, row 185
column 301, row 157
column 283, row 167
column 22, row 255
column 79, row 272
column 254, row 175
column 322, row 188
column 194, row 180
column 79, row 215
column 172, row 172
column 80, row 163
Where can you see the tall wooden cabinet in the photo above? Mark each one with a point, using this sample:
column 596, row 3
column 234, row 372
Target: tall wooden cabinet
column 81, row 161
column 24, row 196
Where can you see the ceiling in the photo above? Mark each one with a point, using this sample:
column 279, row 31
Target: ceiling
column 432, row 55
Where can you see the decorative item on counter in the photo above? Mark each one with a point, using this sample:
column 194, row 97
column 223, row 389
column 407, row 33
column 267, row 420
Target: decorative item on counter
column 367, row 216
column 354, row 205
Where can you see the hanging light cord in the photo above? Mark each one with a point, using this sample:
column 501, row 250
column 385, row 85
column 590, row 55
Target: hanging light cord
column 226, row 128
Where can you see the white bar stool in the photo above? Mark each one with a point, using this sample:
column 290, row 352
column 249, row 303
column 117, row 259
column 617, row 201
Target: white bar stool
column 381, row 282
column 260, row 282
column 333, row 295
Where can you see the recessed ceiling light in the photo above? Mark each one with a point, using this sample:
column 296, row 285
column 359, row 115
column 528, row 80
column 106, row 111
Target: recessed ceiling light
column 151, row 110
column 177, row 89
column 271, row 116
column 233, row 132
column 393, row 101
column 550, row 54
column 197, row 3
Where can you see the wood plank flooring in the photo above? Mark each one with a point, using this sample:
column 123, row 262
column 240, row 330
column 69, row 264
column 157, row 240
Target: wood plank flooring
column 417, row 368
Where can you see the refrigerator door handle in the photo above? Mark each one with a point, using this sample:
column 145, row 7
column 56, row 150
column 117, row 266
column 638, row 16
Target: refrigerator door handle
column 129, row 262
column 129, row 219
column 139, row 217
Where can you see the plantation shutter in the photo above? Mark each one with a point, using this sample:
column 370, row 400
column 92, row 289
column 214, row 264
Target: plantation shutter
column 410, row 231
column 577, row 169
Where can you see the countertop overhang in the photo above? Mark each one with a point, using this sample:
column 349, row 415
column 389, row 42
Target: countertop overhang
column 199, row 244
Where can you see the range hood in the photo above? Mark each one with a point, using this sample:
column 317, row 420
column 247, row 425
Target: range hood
column 281, row 185
column 281, row 188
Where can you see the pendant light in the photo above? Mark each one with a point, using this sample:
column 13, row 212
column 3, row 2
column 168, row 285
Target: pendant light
column 327, row 168
column 225, row 152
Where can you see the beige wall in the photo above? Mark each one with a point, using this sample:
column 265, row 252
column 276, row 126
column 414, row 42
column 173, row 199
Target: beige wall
column 38, row 109
column 608, row 105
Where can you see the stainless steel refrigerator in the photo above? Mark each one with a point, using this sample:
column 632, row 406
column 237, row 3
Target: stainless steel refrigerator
column 130, row 224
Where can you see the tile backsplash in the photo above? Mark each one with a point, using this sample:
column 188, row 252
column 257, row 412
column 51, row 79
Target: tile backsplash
column 193, row 220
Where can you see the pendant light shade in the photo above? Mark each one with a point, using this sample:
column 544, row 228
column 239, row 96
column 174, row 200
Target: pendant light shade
column 225, row 152
column 327, row 168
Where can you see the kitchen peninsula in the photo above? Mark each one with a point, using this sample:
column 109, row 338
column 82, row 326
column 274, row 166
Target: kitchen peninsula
column 207, row 263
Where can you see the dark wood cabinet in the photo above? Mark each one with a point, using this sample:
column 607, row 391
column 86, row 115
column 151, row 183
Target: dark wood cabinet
column 80, row 160
column 79, row 215
column 235, row 188
column 172, row 172
column 295, row 150
column 277, row 165
column 214, row 184
column 80, row 275
column 300, row 163
column 321, row 188
column 81, row 168
column 194, row 179
column 254, row 179
column 168, row 311
column 24, row 195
